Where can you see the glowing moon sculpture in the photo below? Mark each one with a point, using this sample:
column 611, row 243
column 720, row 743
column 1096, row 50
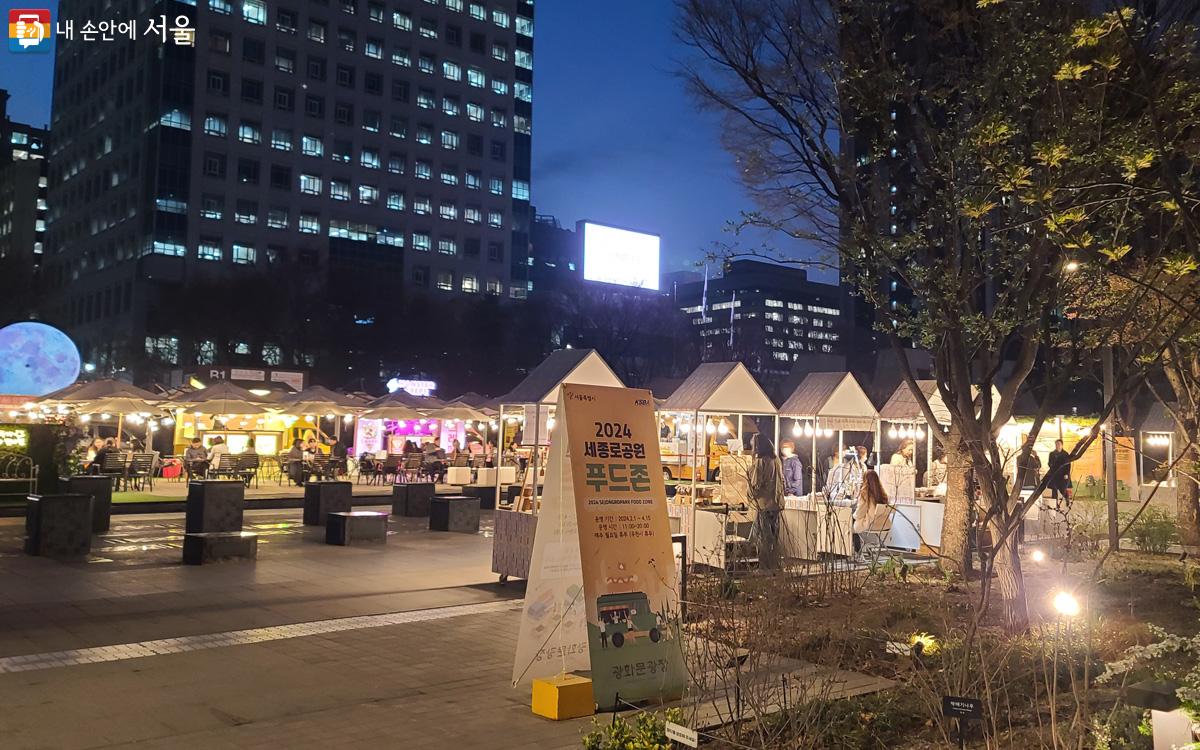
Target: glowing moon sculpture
column 36, row 359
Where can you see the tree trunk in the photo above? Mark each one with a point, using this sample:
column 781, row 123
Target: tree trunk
column 1187, row 494
column 1010, row 579
column 956, row 522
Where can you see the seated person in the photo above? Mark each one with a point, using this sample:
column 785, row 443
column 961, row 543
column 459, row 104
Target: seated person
column 873, row 509
column 296, row 470
column 195, row 459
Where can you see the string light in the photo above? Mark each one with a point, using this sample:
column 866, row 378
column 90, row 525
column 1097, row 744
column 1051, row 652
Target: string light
column 892, row 432
column 808, row 430
column 796, row 429
column 710, row 428
column 722, row 429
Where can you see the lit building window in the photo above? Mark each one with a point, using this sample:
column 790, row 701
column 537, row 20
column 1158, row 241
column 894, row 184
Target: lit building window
column 208, row 250
column 445, row 281
column 311, row 145
column 447, row 246
column 470, row 283
column 422, row 242
column 255, row 12
column 244, row 255
column 310, row 184
column 214, row 125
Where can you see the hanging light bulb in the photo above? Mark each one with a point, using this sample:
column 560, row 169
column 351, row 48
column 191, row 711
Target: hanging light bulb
column 920, row 434
column 422, row 422
column 198, row 413
column 86, row 418
column 104, row 417
column 348, row 418
column 710, row 428
column 494, row 425
column 828, row 432
column 512, row 420
column 722, row 429
column 331, row 416
column 796, row 429
column 808, row 429
column 550, row 423
column 892, row 432
column 168, row 420
column 402, row 424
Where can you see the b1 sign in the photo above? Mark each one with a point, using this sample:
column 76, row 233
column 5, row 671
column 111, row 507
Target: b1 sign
column 620, row 256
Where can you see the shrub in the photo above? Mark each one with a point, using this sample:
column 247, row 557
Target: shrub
column 645, row 732
column 1154, row 531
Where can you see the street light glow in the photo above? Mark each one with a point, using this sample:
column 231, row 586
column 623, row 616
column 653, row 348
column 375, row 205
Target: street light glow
column 1066, row 604
column 1037, row 556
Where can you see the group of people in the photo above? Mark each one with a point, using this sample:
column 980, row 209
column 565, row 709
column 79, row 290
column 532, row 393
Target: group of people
column 768, row 479
column 301, row 460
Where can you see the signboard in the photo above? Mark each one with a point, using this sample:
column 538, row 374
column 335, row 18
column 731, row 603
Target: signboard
column 540, row 415
column 239, row 373
column 368, row 436
column 627, row 565
column 412, row 387
column 293, row 379
column 681, row 734
column 962, row 708
column 14, row 439
column 620, row 256
column 553, row 636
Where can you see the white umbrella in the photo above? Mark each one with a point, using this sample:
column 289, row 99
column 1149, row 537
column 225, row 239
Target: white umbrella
column 222, row 398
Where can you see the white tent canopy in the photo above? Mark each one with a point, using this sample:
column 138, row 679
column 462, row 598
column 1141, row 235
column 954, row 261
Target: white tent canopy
column 575, row 366
column 835, row 398
column 720, row 388
column 904, row 407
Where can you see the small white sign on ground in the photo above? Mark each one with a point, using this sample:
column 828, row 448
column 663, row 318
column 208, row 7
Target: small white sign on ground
column 682, row 735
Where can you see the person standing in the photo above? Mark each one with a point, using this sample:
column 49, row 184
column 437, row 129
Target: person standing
column 765, row 487
column 793, row 470
column 1059, row 468
column 872, row 510
column 904, row 454
column 296, row 469
column 1029, row 470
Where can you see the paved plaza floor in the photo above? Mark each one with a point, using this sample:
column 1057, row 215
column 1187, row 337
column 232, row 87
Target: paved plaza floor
column 408, row 645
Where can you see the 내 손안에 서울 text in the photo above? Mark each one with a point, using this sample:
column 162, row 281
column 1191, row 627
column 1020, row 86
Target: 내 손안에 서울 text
column 31, row 30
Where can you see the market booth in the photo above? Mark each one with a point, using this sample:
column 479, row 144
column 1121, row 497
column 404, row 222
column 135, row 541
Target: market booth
column 232, row 413
column 826, row 409
column 525, row 420
column 705, row 427
column 1157, row 440
column 825, row 406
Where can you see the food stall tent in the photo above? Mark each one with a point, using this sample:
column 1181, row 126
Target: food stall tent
column 901, row 417
column 826, row 403
column 527, row 409
column 1157, row 438
column 700, row 408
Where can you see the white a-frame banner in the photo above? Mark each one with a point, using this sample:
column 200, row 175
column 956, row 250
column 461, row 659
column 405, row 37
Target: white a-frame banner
column 553, row 635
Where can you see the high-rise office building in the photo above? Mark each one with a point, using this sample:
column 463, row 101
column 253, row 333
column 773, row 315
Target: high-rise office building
column 304, row 164
column 22, row 197
column 765, row 315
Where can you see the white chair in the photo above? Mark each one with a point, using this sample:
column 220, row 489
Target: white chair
column 874, row 538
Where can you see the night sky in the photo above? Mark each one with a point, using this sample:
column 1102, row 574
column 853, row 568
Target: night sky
column 616, row 139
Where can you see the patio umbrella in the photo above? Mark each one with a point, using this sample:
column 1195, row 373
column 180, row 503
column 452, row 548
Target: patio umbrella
column 404, row 398
column 459, row 412
column 122, row 406
column 97, row 389
column 475, row 400
column 321, row 394
column 398, row 412
column 222, row 398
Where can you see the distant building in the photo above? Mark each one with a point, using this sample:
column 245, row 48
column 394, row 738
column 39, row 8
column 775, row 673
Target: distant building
column 765, row 315
column 255, row 198
column 22, row 192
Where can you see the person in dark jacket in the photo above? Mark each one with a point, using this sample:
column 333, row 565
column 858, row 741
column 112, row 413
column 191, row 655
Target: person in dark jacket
column 793, row 470
column 1059, row 469
column 337, row 458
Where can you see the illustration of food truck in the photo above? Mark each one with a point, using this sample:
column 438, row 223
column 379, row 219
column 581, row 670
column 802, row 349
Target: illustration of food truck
column 627, row 616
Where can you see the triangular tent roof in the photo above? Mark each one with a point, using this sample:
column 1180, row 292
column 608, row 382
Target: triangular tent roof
column 578, row 366
column 1158, row 419
column 903, row 406
column 721, row 388
column 836, row 398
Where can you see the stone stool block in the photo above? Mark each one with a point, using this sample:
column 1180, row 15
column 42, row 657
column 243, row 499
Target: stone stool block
column 399, row 499
column 101, row 489
column 214, row 505
column 458, row 475
column 454, row 513
column 419, row 496
column 59, row 526
column 323, row 498
column 206, row 547
column 486, row 495
column 356, row 527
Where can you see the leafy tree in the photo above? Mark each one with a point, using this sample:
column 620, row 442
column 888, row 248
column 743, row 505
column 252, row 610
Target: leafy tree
column 963, row 150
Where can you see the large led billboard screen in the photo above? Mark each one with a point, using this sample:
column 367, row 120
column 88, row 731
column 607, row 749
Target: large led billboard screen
column 620, row 256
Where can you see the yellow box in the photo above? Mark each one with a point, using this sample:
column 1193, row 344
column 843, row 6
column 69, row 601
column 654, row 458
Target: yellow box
column 566, row 696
